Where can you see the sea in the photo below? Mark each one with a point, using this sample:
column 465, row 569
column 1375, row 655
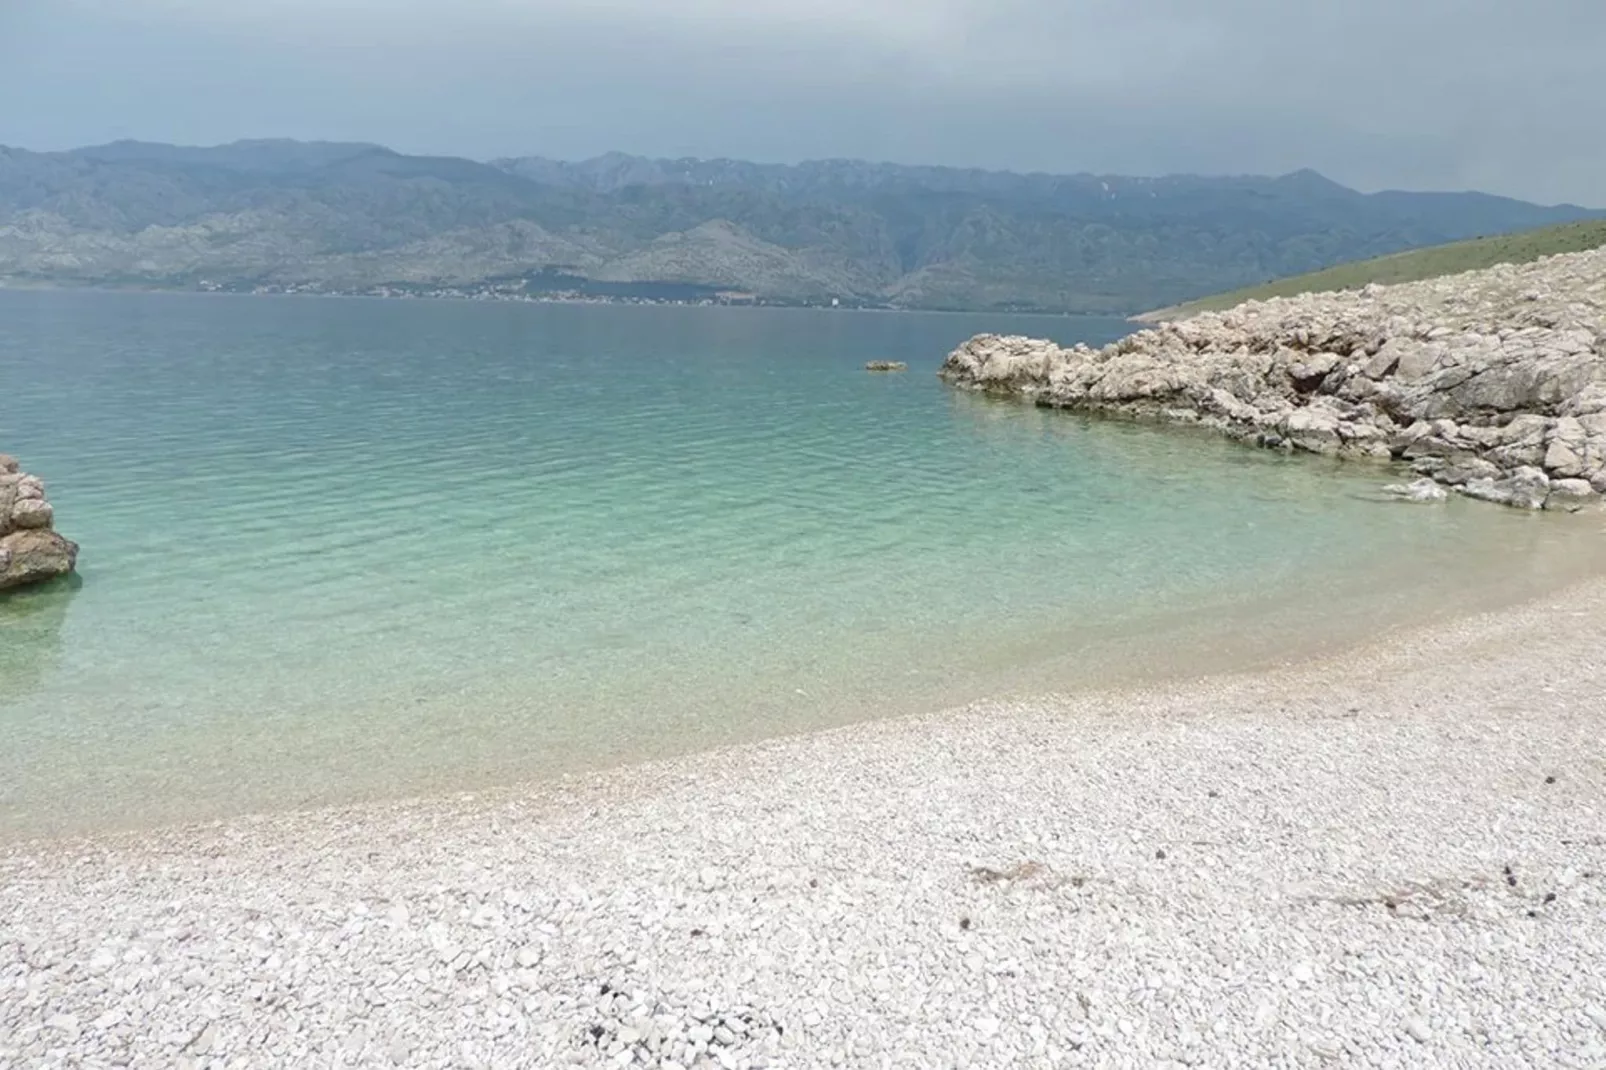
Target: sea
column 340, row 549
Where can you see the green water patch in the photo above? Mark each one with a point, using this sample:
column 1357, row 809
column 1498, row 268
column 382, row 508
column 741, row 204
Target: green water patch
column 343, row 549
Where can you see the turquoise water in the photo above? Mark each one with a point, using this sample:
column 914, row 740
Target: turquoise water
column 336, row 549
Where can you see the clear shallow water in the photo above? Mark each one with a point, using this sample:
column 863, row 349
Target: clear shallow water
column 340, row 548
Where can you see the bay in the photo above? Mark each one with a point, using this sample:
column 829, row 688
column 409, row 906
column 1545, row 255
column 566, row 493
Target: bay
column 337, row 549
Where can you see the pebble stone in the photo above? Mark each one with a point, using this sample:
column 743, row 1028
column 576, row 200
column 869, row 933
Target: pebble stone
column 976, row 888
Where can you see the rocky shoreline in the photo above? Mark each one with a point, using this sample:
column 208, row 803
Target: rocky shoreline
column 1490, row 383
column 31, row 551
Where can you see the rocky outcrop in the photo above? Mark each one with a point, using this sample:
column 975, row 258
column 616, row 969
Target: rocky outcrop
column 30, row 551
column 886, row 366
column 1492, row 383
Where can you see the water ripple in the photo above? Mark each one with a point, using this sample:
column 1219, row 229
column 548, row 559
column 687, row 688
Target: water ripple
column 343, row 548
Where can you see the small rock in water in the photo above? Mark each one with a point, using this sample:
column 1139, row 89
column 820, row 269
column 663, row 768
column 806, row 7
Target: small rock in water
column 1525, row 488
column 30, row 551
column 1418, row 490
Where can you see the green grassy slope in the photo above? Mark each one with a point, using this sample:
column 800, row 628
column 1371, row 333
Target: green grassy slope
column 1418, row 264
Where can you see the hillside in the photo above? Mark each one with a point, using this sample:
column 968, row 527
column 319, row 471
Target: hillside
column 1491, row 383
column 355, row 218
column 1414, row 266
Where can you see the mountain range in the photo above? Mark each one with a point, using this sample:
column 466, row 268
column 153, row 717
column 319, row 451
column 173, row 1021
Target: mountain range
column 355, row 218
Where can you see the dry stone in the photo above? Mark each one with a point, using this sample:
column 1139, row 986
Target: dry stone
column 31, row 514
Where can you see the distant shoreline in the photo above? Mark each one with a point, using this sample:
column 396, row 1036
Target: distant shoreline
column 449, row 294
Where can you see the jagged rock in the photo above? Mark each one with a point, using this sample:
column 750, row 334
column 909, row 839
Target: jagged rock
column 1571, row 495
column 1562, row 459
column 1308, row 375
column 1526, row 488
column 1479, row 380
column 1386, row 360
column 886, row 366
column 1569, row 451
column 1465, row 468
column 1520, row 443
column 1418, row 490
column 1313, row 428
column 29, row 550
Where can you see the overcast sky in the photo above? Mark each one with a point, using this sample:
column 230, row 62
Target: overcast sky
column 1499, row 95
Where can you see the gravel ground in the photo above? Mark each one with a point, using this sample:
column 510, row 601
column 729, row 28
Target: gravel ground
column 1393, row 858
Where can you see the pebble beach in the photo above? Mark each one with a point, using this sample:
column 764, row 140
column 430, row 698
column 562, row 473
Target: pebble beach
column 1395, row 856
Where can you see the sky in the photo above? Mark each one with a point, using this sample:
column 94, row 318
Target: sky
column 1496, row 95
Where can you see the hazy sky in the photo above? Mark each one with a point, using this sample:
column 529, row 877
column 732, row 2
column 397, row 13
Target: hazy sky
column 1500, row 95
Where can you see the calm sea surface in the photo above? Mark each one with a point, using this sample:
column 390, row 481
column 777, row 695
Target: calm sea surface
column 336, row 549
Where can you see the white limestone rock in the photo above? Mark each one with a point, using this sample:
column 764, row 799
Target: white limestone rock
column 1571, row 495
column 1418, row 490
column 1526, row 488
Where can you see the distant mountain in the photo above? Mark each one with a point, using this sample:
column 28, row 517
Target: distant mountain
column 340, row 217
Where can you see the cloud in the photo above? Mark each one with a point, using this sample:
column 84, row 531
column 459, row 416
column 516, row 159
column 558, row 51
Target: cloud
column 1424, row 93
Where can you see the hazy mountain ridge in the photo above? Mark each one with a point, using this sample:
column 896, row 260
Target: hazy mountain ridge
column 352, row 217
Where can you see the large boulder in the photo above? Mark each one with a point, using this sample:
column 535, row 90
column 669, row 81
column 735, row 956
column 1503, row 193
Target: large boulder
column 34, row 556
column 30, row 551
